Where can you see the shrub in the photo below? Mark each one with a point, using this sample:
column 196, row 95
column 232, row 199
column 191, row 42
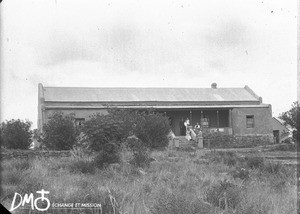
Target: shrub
column 103, row 129
column 38, row 136
column 21, row 164
column 240, row 173
column 18, row 164
column 110, row 201
column 222, row 193
column 260, row 205
column 141, row 154
column 284, row 147
column 254, row 162
column 80, row 152
column 81, row 166
column 278, row 183
column 13, row 177
column 15, row 134
column 272, row 167
column 31, row 183
column 60, row 132
column 228, row 158
column 152, row 129
column 214, row 156
column 108, row 155
column 178, row 203
column 278, row 174
column 141, row 159
column 291, row 118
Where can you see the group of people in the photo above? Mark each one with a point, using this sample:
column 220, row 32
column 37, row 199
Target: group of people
column 185, row 130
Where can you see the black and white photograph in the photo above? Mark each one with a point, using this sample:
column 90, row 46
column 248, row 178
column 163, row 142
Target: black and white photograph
column 149, row 107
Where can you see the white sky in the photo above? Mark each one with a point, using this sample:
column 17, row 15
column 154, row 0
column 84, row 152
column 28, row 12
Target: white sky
column 147, row 44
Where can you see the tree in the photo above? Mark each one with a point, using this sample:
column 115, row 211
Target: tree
column 60, row 132
column 152, row 129
column 291, row 118
column 16, row 134
column 105, row 134
column 113, row 127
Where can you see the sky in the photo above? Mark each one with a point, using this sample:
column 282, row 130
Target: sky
column 137, row 43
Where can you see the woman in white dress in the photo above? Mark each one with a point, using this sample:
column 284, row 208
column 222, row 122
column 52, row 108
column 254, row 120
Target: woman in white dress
column 186, row 124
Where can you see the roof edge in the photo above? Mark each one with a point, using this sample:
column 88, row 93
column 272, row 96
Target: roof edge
column 70, row 87
column 253, row 93
column 158, row 107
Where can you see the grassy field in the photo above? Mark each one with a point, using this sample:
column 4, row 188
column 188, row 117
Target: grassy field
column 176, row 182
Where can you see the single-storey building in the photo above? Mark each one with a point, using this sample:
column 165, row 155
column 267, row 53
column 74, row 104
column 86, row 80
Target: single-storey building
column 234, row 111
column 280, row 131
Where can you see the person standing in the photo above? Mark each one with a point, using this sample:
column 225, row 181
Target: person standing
column 187, row 124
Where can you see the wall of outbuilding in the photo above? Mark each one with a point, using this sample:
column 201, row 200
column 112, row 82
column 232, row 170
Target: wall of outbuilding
column 262, row 121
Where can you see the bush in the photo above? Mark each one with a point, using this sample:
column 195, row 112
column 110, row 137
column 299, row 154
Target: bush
column 284, row 147
column 13, row 177
column 103, row 129
column 228, row 158
column 60, row 132
column 254, row 162
column 240, row 173
column 141, row 154
column 222, row 193
column 38, row 136
column 178, row 203
column 108, row 155
column 141, row 159
column 152, row 129
column 276, row 172
column 81, row 166
column 31, row 183
column 15, row 134
column 273, row 168
column 110, row 201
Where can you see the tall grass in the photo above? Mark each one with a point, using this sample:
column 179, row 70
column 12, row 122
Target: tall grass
column 175, row 183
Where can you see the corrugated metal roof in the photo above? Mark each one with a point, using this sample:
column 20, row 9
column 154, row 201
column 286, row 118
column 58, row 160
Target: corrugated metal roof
column 78, row 94
column 161, row 107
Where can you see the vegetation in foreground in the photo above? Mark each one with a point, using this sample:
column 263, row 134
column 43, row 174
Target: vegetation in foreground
column 175, row 182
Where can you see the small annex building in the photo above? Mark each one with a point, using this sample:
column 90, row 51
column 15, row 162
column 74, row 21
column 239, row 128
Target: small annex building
column 234, row 111
column 280, row 131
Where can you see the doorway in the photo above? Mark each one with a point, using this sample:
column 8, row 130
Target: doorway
column 276, row 136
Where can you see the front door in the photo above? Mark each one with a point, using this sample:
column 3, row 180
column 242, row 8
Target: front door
column 276, row 136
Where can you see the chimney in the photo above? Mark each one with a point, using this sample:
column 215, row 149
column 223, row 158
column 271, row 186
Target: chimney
column 214, row 85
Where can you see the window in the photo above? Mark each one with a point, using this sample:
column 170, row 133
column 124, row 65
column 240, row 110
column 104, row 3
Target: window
column 204, row 122
column 250, row 121
column 79, row 121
